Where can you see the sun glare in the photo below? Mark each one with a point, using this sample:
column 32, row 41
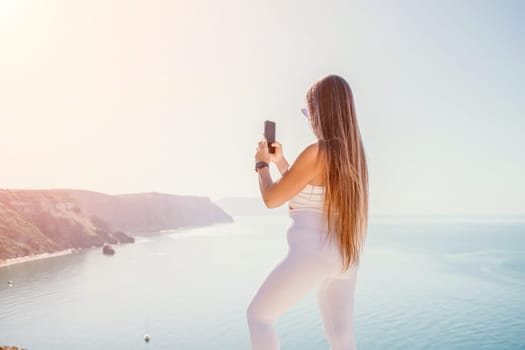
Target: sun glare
column 7, row 8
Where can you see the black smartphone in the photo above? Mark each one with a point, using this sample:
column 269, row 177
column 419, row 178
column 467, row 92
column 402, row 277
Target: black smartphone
column 269, row 133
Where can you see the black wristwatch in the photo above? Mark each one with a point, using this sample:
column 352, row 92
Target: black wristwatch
column 260, row 165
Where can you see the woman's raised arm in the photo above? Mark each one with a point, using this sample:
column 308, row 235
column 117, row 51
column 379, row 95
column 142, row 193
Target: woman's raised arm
column 303, row 170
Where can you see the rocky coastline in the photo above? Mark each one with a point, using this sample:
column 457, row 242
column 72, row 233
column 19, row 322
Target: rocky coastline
column 36, row 224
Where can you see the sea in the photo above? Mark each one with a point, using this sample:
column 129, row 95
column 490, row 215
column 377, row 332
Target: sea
column 423, row 283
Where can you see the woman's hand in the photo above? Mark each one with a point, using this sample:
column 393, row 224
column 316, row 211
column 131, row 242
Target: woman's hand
column 262, row 153
column 277, row 157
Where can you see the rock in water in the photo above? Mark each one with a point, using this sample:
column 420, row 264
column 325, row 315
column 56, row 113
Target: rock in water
column 108, row 250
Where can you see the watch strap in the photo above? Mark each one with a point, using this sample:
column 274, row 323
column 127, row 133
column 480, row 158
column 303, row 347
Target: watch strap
column 261, row 164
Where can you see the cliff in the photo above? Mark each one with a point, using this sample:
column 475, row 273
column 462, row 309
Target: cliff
column 19, row 237
column 34, row 222
column 149, row 212
column 45, row 221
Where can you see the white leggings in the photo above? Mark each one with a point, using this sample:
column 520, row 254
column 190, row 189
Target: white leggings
column 311, row 262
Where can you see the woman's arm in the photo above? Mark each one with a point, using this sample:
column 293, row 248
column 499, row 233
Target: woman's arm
column 265, row 180
column 278, row 158
column 282, row 165
column 293, row 180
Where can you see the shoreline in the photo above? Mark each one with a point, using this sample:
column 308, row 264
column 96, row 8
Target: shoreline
column 26, row 258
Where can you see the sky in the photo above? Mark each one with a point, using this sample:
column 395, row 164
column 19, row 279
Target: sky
column 170, row 96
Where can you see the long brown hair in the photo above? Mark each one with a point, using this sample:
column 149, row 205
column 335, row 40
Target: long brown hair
column 344, row 168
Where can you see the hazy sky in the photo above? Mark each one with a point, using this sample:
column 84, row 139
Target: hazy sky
column 171, row 96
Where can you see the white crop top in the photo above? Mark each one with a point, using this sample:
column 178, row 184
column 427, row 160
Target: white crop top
column 310, row 197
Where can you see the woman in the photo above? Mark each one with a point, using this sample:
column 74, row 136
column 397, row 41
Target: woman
column 327, row 190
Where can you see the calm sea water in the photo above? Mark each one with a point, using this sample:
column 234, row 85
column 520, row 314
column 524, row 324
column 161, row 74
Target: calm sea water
column 422, row 285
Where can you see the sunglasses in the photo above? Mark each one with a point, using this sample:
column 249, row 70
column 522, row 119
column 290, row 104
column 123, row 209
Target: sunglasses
column 305, row 112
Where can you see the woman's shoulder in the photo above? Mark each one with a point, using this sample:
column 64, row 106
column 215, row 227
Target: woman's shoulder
column 309, row 157
column 312, row 154
column 311, row 151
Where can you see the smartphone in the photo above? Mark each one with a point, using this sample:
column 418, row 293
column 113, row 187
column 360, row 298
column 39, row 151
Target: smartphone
column 269, row 133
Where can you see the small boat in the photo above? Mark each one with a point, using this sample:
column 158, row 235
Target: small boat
column 146, row 336
column 108, row 250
